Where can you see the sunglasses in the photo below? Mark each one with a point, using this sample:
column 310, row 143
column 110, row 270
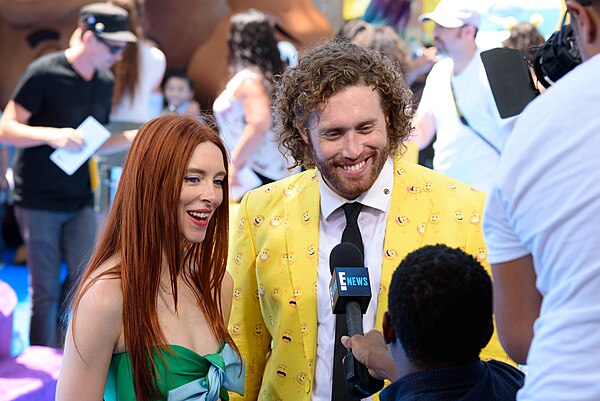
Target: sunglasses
column 113, row 49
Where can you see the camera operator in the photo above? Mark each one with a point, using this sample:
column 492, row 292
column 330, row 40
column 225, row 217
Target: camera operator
column 540, row 226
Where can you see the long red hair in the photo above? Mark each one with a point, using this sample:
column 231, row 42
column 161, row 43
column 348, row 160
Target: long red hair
column 127, row 71
column 143, row 228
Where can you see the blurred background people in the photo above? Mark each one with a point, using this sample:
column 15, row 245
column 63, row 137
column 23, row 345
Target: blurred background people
column 243, row 109
column 457, row 103
column 178, row 92
column 54, row 209
column 351, row 28
column 149, row 317
column 137, row 96
column 385, row 39
column 136, row 99
column 527, row 39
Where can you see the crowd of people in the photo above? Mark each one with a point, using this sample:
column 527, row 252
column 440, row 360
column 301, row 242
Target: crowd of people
column 178, row 300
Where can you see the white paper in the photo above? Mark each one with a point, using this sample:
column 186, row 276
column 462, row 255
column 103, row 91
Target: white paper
column 94, row 135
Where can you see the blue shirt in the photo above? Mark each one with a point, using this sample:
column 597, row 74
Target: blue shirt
column 475, row 381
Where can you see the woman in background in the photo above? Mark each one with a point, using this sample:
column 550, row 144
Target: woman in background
column 137, row 96
column 386, row 40
column 149, row 317
column 243, row 109
column 526, row 38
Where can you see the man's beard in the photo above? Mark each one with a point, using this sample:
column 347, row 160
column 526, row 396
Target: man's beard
column 351, row 188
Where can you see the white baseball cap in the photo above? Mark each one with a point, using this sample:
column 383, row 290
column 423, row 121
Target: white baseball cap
column 453, row 14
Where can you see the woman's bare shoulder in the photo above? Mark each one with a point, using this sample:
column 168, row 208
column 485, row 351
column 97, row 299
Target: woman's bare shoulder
column 103, row 294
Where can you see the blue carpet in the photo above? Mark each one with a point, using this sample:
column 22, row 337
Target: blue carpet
column 17, row 276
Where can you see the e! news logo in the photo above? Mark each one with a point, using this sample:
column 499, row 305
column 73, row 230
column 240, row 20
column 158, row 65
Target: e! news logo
column 353, row 281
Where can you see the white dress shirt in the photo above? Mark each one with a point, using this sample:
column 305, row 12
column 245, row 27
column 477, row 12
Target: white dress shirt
column 372, row 219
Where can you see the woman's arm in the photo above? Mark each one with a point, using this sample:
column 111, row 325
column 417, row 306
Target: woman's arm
column 95, row 329
column 226, row 296
column 257, row 110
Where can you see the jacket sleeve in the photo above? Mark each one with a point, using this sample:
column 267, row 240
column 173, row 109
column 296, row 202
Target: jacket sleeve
column 246, row 314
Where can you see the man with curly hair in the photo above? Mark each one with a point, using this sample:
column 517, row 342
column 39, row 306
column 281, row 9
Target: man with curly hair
column 343, row 114
column 437, row 358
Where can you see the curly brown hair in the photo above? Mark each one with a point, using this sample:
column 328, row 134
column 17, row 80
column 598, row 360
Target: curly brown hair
column 526, row 38
column 326, row 70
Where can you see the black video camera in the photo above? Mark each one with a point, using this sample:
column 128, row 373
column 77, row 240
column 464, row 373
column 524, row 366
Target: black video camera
column 508, row 69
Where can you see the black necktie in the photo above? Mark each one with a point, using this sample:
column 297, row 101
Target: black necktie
column 352, row 231
column 351, row 234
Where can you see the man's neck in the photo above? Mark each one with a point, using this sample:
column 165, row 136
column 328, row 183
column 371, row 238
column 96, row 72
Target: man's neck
column 80, row 63
column 462, row 60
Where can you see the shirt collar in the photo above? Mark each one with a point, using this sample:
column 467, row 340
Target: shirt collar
column 331, row 201
column 434, row 382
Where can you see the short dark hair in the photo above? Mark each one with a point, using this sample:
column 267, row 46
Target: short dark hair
column 440, row 305
column 181, row 74
column 327, row 70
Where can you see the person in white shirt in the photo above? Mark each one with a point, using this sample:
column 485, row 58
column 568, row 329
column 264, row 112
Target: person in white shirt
column 541, row 227
column 458, row 85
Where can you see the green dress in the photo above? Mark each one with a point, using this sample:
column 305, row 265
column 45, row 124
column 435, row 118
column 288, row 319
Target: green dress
column 188, row 372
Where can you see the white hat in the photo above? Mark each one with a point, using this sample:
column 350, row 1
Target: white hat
column 453, row 14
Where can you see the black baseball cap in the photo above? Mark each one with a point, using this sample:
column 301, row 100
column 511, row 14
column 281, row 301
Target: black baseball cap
column 107, row 21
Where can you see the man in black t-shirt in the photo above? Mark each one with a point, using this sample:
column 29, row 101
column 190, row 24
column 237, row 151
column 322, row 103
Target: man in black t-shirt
column 54, row 210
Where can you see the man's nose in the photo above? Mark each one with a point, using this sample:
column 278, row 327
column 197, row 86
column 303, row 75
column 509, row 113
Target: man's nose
column 353, row 145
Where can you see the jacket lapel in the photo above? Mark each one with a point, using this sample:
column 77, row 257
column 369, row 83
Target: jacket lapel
column 301, row 208
column 407, row 221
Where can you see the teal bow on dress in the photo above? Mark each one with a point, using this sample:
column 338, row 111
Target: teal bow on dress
column 227, row 371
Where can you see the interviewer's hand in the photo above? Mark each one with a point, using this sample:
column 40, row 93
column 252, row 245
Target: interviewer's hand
column 371, row 350
column 67, row 138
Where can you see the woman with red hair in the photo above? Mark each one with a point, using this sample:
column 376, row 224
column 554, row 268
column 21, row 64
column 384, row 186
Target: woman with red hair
column 149, row 316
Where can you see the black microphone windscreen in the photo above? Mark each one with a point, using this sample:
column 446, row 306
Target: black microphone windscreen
column 345, row 254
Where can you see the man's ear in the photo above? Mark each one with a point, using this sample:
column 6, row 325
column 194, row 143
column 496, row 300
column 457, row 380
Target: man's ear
column 389, row 334
column 587, row 26
column 303, row 133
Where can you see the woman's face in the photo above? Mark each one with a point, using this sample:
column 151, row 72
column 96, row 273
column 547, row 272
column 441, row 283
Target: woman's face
column 202, row 191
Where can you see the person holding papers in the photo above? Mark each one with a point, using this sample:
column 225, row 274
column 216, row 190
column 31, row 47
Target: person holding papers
column 56, row 93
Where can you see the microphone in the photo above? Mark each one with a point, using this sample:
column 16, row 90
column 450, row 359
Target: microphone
column 350, row 291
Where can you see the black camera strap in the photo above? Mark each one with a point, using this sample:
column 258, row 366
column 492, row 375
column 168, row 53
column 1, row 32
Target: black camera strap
column 466, row 123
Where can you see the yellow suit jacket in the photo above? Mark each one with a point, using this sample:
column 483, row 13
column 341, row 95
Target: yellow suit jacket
column 274, row 262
